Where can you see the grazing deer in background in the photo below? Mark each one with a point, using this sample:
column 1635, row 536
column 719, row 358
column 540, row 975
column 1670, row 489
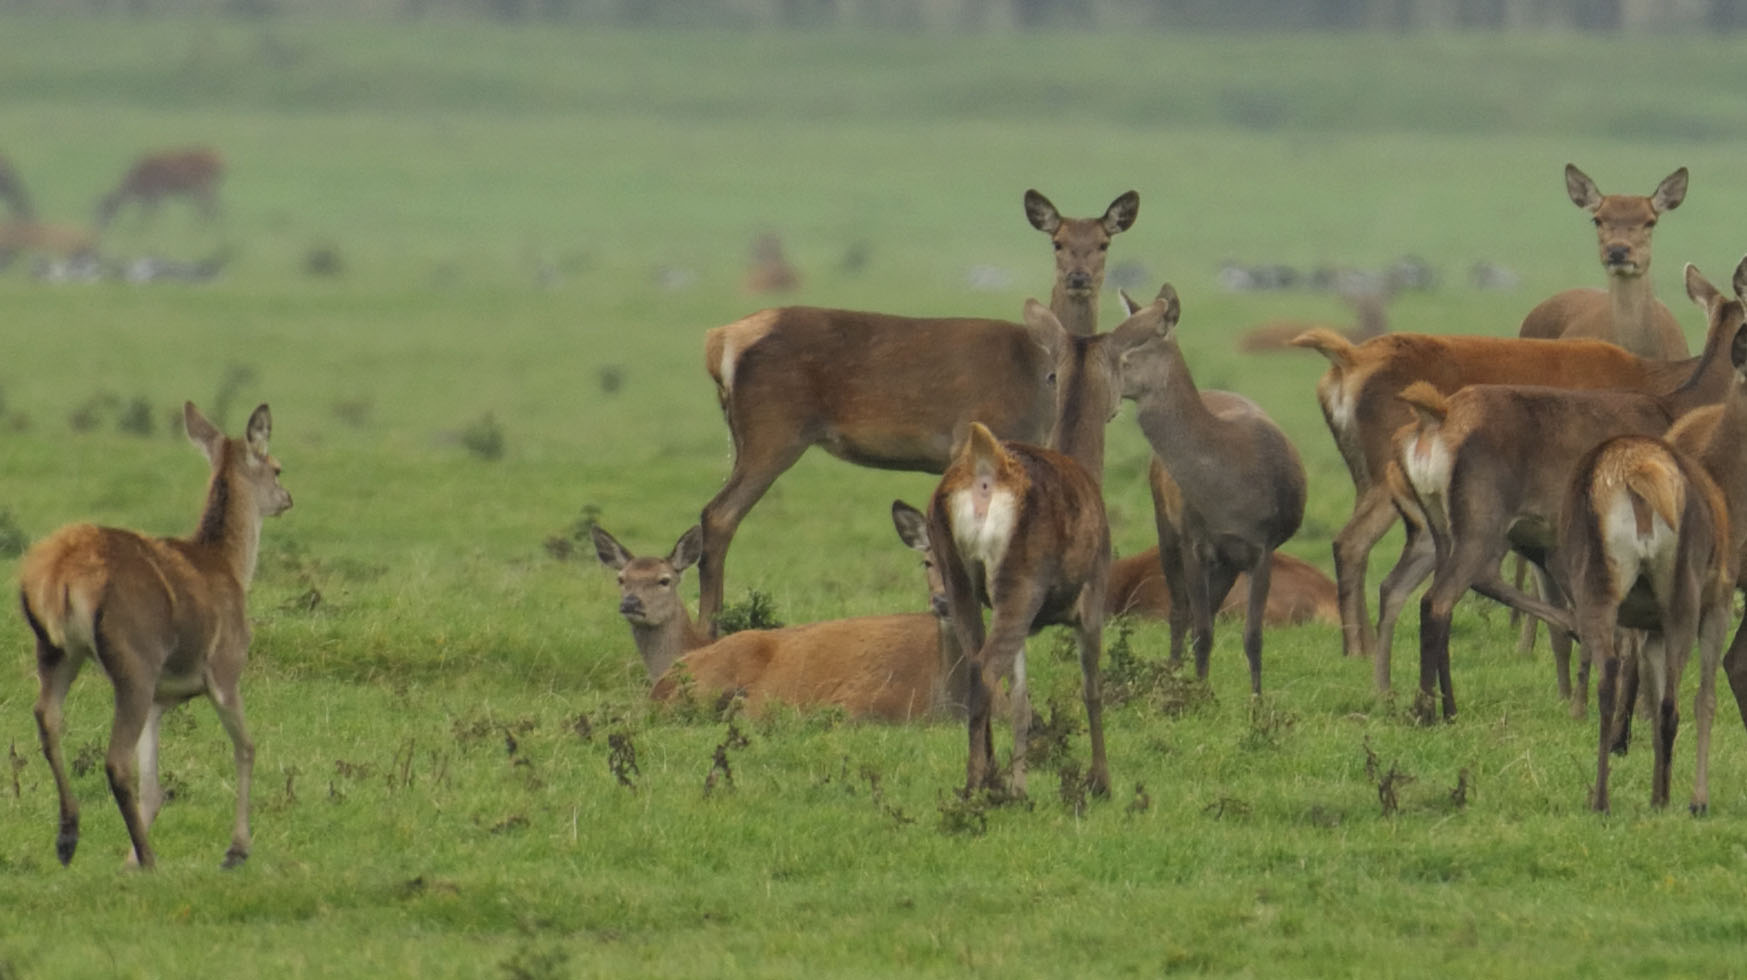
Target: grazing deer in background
column 1626, row 312
column 1080, row 248
column 884, row 391
column 59, row 243
column 165, row 618
column 1022, row 529
column 770, row 271
column 904, row 667
column 1298, row 592
column 193, row 173
column 1228, row 488
column 1358, row 398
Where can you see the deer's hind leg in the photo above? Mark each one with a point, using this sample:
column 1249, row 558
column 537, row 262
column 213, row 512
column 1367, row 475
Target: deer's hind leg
column 56, row 669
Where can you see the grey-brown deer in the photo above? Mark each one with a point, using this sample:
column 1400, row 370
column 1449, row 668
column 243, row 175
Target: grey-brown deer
column 165, row 618
column 898, row 668
column 193, row 173
column 1228, row 488
column 1022, row 529
column 1626, row 312
column 887, row 391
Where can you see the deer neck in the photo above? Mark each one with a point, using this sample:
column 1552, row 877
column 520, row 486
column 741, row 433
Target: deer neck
column 1078, row 312
column 1178, row 424
column 1079, row 430
column 660, row 646
column 230, row 527
column 1631, row 299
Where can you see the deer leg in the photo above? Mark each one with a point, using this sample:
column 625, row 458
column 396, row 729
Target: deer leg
column 1735, row 669
column 1004, row 655
column 1459, row 568
column 1261, row 575
column 133, row 703
column 1091, row 641
column 1712, row 624
column 151, row 791
column 55, row 672
column 1600, row 639
column 228, row 701
column 1526, row 625
column 1373, row 513
column 756, row 467
column 1176, row 564
column 1629, row 647
column 1653, row 671
column 1418, row 558
column 1201, row 607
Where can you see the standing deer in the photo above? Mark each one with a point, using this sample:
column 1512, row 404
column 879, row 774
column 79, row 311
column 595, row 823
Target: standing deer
column 1022, row 529
column 165, row 618
column 1228, row 488
column 904, row 667
column 1481, row 492
column 1626, row 312
column 886, row 391
column 192, row 173
column 1358, row 392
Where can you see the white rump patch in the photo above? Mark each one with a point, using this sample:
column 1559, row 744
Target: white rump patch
column 1426, row 464
column 738, row 337
column 983, row 520
column 1630, row 554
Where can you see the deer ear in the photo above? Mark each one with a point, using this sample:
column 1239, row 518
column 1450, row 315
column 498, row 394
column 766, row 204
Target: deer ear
column 1670, row 192
column 1045, row 329
column 1583, row 191
column 1129, row 306
column 1142, row 325
column 259, row 429
column 1120, row 215
column 1042, row 214
column 1700, row 290
column 688, row 549
column 1173, row 306
column 1740, row 281
column 911, row 524
column 1738, row 349
column 608, row 549
column 202, row 433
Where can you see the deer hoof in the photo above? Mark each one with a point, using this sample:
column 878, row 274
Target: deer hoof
column 234, row 858
column 1700, row 809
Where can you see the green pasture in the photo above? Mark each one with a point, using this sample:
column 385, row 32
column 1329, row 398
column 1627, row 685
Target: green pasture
column 437, row 690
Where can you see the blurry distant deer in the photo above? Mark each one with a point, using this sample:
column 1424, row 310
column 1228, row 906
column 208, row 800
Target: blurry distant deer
column 770, row 272
column 193, row 173
column 1370, row 309
column 21, row 232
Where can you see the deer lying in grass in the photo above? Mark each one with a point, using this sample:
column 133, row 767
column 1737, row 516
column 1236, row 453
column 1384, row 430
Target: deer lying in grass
column 899, row 668
column 1228, row 488
column 1298, row 592
column 888, row 391
column 165, row 618
column 1358, row 398
column 193, row 173
column 1627, row 312
column 1482, row 492
column 1022, row 529
column 1370, row 310
column 58, row 242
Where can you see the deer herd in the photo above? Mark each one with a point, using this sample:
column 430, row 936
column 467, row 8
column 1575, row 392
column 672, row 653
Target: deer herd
column 1631, row 505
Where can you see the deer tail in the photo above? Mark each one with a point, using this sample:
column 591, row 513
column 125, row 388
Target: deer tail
column 1328, row 343
column 1428, row 403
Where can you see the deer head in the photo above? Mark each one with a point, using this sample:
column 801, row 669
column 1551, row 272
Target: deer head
column 1081, row 243
column 1623, row 222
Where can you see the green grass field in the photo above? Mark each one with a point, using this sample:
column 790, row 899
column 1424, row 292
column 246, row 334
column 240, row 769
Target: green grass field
column 434, row 695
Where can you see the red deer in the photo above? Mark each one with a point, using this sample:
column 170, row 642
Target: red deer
column 1370, row 310
column 1080, row 246
column 881, row 390
column 1481, row 494
column 898, row 668
column 1228, row 488
column 1298, row 592
column 770, row 271
column 166, row 619
column 1627, row 311
column 1358, row 399
column 59, row 242
column 192, row 173
column 1022, row 529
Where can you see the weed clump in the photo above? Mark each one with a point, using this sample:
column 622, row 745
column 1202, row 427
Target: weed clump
column 757, row 612
column 1162, row 685
column 484, row 438
column 575, row 539
column 13, row 540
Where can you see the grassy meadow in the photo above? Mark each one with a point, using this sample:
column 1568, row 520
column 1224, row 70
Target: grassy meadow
column 531, row 230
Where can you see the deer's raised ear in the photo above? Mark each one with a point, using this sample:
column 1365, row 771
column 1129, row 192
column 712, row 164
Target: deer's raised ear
column 1700, row 290
column 1583, row 191
column 1741, row 279
column 1044, row 327
column 912, row 526
column 1142, row 325
column 1042, row 214
column 1738, row 349
column 1120, row 215
column 688, row 549
column 1173, row 306
column 260, row 428
column 608, row 549
column 1670, row 192
column 202, row 433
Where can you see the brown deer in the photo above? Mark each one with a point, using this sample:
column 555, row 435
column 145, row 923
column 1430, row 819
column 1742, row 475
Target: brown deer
column 1646, row 546
column 1482, row 492
column 193, row 173
column 166, row 619
column 1298, row 592
column 1358, row 398
column 1626, row 312
column 1371, row 314
column 899, row 668
column 1080, row 247
column 880, row 390
column 1021, row 529
column 61, row 242
column 1228, row 488
column 770, row 271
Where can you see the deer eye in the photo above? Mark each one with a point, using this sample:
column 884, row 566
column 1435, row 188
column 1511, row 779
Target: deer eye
column 1049, row 379
column 1651, row 223
column 1103, row 246
column 621, row 579
column 1058, row 245
column 665, row 581
column 1595, row 221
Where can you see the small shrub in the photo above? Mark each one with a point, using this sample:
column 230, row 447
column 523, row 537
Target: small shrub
column 757, row 612
column 136, row 418
column 483, row 437
column 13, row 540
column 576, row 539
